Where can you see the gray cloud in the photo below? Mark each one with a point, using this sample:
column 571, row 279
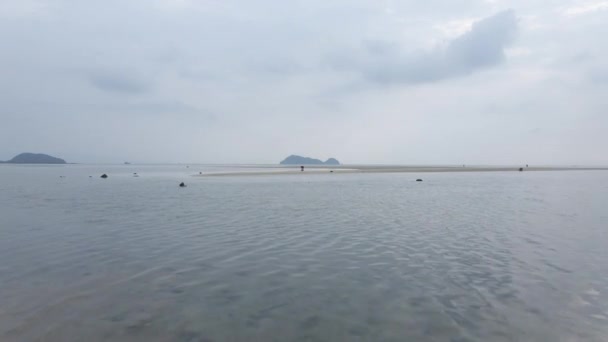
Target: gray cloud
column 598, row 76
column 482, row 47
column 117, row 81
column 254, row 81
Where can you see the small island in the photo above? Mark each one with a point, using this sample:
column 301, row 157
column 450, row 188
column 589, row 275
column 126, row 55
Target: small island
column 299, row 160
column 34, row 158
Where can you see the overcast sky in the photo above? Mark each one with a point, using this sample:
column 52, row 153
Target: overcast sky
column 365, row 81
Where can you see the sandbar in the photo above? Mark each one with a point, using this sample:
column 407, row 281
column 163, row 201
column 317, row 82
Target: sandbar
column 349, row 169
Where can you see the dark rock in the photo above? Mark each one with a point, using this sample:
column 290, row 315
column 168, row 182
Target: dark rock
column 418, row 180
column 104, row 176
column 182, row 185
column 35, row 158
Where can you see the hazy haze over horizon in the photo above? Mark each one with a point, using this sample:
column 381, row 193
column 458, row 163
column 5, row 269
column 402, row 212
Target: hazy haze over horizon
column 382, row 82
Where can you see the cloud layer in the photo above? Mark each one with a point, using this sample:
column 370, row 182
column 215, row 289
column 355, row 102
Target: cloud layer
column 366, row 81
column 480, row 48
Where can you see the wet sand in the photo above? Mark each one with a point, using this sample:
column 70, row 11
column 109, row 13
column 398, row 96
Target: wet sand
column 273, row 170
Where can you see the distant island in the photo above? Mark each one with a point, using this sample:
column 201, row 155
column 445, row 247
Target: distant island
column 299, row 160
column 34, row 158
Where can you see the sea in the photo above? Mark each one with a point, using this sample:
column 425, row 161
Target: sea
column 469, row 256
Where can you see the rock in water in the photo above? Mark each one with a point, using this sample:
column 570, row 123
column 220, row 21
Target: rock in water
column 418, row 180
column 182, row 185
column 104, row 176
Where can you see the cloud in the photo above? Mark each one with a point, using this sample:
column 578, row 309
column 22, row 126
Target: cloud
column 117, row 81
column 454, row 28
column 367, row 81
column 481, row 47
column 586, row 8
column 22, row 8
column 598, row 76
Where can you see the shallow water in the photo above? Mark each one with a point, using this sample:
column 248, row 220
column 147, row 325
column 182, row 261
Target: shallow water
column 494, row 256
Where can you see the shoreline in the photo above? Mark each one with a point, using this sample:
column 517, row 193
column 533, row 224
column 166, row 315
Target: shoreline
column 391, row 169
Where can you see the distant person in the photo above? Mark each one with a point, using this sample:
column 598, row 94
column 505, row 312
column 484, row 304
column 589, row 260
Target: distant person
column 302, row 168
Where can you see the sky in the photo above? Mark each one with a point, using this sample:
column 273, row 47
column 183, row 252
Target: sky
column 365, row 81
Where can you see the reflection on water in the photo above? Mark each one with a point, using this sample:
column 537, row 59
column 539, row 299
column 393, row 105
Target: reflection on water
column 353, row 257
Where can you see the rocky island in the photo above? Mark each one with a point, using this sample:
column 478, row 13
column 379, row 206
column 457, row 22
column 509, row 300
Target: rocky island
column 34, row 158
column 299, row 160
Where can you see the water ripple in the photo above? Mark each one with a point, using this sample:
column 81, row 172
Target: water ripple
column 460, row 257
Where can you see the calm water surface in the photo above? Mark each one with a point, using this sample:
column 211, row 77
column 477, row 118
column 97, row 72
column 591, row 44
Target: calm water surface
column 502, row 256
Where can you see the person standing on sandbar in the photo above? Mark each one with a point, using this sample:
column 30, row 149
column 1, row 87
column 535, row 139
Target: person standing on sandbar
column 302, row 168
